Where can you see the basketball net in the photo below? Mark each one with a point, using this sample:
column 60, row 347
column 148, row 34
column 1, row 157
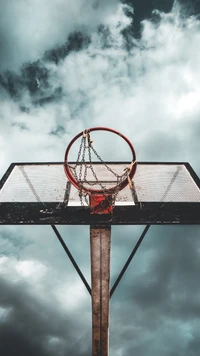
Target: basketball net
column 103, row 201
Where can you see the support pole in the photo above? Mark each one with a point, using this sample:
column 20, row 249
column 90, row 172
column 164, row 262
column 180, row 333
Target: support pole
column 100, row 275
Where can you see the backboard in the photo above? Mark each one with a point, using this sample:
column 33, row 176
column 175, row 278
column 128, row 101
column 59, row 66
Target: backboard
column 40, row 193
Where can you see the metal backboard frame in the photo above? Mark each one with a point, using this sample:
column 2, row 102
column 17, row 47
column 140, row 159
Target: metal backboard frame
column 163, row 193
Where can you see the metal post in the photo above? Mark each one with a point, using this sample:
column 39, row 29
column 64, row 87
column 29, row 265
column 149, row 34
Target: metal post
column 100, row 275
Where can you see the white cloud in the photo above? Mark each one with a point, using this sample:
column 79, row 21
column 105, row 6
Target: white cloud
column 31, row 269
column 45, row 283
column 76, row 294
column 149, row 93
column 16, row 270
column 29, row 27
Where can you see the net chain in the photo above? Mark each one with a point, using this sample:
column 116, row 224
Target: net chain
column 80, row 162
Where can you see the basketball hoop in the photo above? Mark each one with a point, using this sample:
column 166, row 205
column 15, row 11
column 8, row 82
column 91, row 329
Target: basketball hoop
column 102, row 199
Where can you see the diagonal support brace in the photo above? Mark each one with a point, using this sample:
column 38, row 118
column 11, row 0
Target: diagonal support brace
column 71, row 258
column 129, row 260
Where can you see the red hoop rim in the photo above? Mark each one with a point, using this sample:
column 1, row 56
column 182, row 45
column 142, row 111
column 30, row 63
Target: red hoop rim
column 122, row 185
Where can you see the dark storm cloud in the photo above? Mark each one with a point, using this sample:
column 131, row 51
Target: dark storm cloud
column 76, row 41
column 28, row 28
column 143, row 9
column 159, row 290
column 190, row 7
column 24, row 329
column 36, row 326
column 33, row 77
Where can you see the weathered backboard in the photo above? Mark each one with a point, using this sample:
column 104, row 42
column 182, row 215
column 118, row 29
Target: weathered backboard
column 40, row 193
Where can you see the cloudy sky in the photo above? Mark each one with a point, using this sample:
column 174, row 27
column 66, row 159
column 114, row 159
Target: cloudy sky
column 66, row 66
